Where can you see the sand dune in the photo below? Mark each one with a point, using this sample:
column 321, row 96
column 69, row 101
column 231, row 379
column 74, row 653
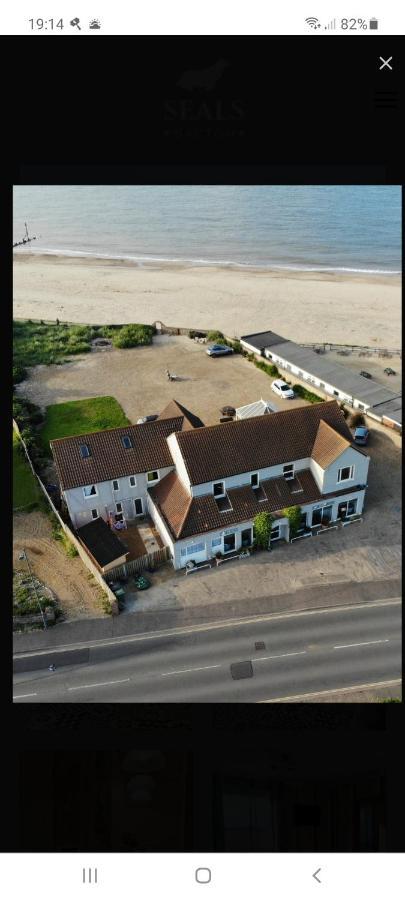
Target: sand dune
column 302, row 306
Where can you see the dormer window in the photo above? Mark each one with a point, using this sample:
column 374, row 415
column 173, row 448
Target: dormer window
column 84, row 451
column 218, row 488
column 288, row 471
column 126, row 442
column 254, row 479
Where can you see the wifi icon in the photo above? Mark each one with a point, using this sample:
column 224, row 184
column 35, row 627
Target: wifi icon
column 313, row 22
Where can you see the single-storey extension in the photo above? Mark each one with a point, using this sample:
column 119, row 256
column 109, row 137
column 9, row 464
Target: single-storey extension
column 258, row 408
column 331, row 378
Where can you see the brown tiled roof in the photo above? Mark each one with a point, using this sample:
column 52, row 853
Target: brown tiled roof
column 231, row 448
column 174, row 409
column 108, row 458
column 187, row 516
column 103, row 545
column 328, row 445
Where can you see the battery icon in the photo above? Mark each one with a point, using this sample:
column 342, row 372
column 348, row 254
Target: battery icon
column 373, row 24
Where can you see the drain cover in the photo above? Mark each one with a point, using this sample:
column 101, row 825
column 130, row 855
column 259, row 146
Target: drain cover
column 242, row 670
column 260, row 645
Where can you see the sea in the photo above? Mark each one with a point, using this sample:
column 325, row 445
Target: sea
column 313, row 228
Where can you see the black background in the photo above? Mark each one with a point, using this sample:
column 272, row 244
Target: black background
column 142, row 778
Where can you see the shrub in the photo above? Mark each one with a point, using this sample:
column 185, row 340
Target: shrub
column 133, row 336
column 293, row 514
column 357, row 419
column 70, row 548
column 236, row 346
column 191, row 335
column 305, row 394
column 19, row 374
column 262, row 524
column 215, row 336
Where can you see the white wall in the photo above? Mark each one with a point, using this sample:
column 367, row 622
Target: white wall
column 161, row 525
column 314, row 380
column 233, row 481
column 178, row 460
column 349, row 457
column 80, row 506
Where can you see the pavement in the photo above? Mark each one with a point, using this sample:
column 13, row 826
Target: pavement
column 258, row 602
column 255, row 659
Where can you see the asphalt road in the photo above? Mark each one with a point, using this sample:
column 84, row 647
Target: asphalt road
column 303, row 653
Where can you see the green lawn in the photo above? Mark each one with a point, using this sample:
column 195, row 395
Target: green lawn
column 80, row 417
column 26, row 491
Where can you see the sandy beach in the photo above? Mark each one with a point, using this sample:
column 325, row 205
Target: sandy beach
column 302, row 306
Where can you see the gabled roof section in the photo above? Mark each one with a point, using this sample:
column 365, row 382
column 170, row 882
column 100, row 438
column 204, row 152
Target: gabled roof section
column 173, row 500
column 217, row 451
column 175, row 409
column 108, row 458
column 328, row 446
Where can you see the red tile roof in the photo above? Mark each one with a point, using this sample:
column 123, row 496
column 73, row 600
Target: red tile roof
column 187, row 516
column 218, row 451
column 108, row 458
column 174, row 409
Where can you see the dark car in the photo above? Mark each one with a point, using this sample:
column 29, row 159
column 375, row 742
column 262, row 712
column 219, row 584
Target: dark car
column 219, row 350
column 361, row 435
column 389, row 371
column 365, row 374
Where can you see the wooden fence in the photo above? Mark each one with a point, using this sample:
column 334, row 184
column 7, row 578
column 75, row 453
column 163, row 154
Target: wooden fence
column 148, row 561
column 69, row 533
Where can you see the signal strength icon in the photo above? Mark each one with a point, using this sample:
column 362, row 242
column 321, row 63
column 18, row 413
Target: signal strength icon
column 313, row 22
column 331, row 26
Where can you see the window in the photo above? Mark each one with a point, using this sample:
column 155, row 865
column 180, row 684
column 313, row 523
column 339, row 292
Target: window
column 126, row 442
column 300, row 374
column 132, row 481
column 90, row 490
column 191, row 549
column 152, row 476
column 116, row 485
column 361, row 406
column 336, row 393
column 118, row 507
column 94, row 514
column 322, row 515
column 254, row 479
column 288, row 471
column 84, row 451
column 275, row 533
column 346, row 474
column 138, row 506
column 347, row 508
column 219, row 488
column 216, row 542
column 321, row 385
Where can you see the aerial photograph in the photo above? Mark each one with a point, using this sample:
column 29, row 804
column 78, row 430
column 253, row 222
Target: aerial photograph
column 207, row 433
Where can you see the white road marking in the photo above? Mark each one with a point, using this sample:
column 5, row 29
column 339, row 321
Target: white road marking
column 362, row 644
column 340, row 690
column 208, row 626
column 280, row 656
column 181, row 671
column 21, row 696
column 99, row 684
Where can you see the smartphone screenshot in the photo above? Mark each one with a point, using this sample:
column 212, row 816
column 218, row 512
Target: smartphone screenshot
column 203, row 645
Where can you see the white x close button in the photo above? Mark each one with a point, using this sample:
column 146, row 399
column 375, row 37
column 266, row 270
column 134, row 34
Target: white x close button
column 385, row 63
